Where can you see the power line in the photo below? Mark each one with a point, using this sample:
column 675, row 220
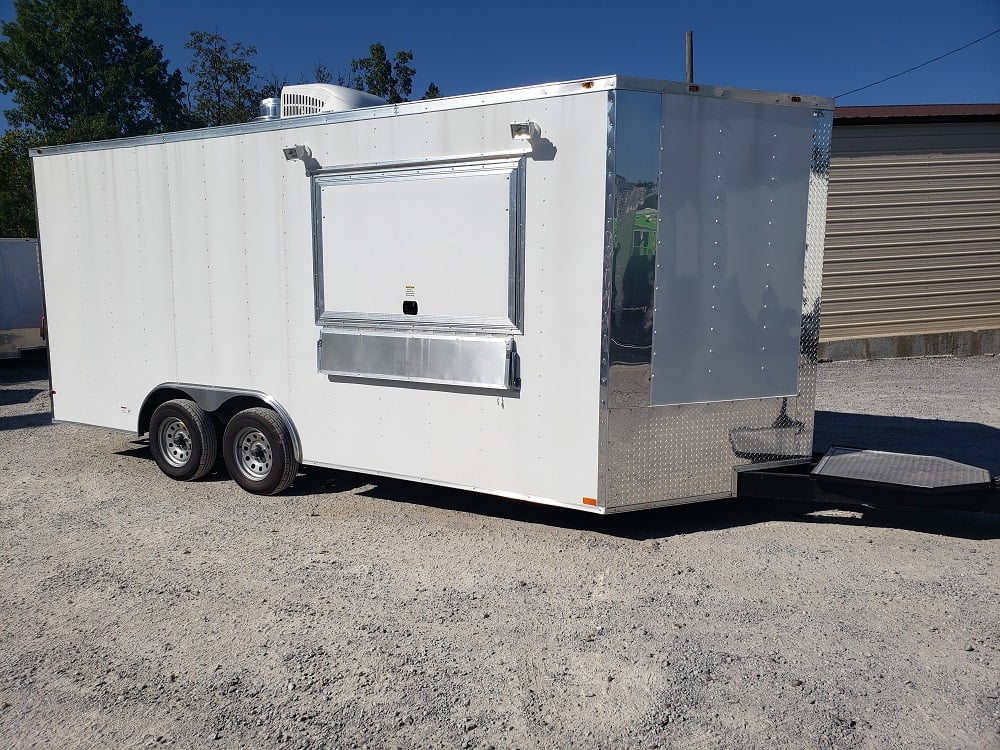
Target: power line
column 915, row 67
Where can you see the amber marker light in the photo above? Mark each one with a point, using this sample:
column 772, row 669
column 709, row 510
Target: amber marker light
column 588, row 84
column 589, row 501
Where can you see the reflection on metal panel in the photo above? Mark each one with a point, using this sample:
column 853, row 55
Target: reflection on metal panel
column 677, row 453
column 913, row 233
column 479, row 362
column 634, row 230
column 729, row 270
column 433, row 247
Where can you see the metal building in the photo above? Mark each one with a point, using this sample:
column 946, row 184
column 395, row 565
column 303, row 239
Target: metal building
column 912, row 261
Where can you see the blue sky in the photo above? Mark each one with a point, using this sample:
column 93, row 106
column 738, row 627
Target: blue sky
column 800, row 47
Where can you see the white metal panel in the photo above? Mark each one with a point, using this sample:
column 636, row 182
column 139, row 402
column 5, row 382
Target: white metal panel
column 439, row 237
column 541, row 442
column 154, row 336
column 228, row 268
column 191, row 264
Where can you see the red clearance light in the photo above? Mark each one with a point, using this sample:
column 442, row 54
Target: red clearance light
column 694, row 88
column 796, row 98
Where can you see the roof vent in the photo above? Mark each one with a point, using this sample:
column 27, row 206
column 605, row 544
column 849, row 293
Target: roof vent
column 270, row 109
column 314, row 98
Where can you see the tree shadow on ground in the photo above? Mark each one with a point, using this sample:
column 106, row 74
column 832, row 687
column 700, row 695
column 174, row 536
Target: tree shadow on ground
column 22, row 421
column 11, row 396
column 23, row 370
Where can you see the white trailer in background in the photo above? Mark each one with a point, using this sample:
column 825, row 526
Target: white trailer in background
column 21, row 307
column 601, row 294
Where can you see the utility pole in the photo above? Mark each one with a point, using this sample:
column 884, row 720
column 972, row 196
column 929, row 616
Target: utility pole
column 689, row 55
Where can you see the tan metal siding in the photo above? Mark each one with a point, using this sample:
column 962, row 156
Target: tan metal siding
column 913, row 230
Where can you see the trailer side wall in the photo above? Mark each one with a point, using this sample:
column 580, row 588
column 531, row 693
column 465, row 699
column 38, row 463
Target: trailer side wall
column 192, row 261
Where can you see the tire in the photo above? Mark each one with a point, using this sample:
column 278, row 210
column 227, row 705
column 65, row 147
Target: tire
column 183, row 440
column 258, row 452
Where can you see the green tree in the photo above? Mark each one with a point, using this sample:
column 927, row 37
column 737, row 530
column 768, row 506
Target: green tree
column 433, row 92
column 377, row 74
column 322, row 73
column 225, row 85
column 83, row 71
column 272, row 84
column 17, row 199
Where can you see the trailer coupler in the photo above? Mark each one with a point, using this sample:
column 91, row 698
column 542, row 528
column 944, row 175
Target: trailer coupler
column 867, row 477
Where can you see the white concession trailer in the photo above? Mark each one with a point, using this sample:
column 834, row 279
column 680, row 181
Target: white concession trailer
column 601, row 294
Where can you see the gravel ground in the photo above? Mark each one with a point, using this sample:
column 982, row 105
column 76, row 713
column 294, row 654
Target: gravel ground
column 350, row 612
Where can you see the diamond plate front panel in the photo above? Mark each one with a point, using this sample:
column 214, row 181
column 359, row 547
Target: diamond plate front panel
column 664, row 455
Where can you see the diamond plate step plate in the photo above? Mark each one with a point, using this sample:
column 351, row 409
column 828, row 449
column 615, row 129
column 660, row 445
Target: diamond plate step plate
column 927, row 473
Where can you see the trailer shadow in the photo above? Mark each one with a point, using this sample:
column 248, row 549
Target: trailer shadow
column 972, row 443
column 966, row 442
column 662, row 523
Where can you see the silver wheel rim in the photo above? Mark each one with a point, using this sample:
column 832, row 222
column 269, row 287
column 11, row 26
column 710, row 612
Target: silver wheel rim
column 175, row 442
column 253, row 453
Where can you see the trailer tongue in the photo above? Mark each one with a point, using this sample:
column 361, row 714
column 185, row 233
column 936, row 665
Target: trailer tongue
column 868, row 477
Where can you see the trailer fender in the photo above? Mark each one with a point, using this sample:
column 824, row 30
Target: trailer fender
column 219, row 401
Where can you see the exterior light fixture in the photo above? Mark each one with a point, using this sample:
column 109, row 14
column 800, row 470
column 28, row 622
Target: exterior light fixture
column 297, row 152
column 525, row 131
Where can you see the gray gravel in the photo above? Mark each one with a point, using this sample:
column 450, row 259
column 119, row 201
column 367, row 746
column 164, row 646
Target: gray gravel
column 354, row 612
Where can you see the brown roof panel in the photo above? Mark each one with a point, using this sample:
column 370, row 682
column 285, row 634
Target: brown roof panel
column 905, row 113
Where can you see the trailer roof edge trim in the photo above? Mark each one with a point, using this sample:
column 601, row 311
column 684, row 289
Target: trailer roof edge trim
column 461, row 101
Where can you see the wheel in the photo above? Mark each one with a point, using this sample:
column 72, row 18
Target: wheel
column 258, row 452
column 183, row 440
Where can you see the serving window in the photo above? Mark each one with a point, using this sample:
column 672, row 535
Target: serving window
column 421, row 247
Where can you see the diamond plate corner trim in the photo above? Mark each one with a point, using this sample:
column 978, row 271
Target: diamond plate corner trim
column 812, row 285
